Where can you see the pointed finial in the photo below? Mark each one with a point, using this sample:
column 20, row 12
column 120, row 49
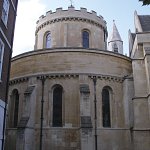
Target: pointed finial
column 113, row 21
column 71, row 1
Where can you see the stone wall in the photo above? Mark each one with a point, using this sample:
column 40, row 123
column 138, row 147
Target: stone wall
column 74, row 70
column 71, row 60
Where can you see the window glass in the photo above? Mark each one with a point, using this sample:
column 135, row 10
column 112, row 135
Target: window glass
column 48, row 40
column 15, row 107
column 1, row 56
column 1, row 47
column 57, row 106
column 85, row 39
column 106, row 108
column 115, row 47
column 5, row 11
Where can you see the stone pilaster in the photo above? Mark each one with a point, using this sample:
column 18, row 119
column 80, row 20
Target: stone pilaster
column 85, row 115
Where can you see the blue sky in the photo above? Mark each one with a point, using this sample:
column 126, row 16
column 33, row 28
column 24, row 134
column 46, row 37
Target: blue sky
column 30, row 10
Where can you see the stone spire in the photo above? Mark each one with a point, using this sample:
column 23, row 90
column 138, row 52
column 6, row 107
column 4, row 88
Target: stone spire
column 115, row 42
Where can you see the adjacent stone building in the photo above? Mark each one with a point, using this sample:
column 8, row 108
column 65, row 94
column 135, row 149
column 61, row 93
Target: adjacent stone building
column 71, row 93
column 8, row 11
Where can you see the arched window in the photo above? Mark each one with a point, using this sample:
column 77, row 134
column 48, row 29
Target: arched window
column 15, row 100
column 85, row 39
column 57, row 106
column 48, row 40
column 106, row 107
column 115, row 48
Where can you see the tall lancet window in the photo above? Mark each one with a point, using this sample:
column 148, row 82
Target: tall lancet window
column 106, row 107
column 85, row 39
column 115, row 48
column 15, row 103
column 48, row 40
column 57, row 106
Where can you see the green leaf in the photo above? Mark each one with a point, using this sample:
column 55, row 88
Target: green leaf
column 146, row 2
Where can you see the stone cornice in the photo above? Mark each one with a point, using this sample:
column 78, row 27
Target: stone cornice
column 18, row 80
column 79, row 19
column 69, row 49
column 67, row 76
column 108, row 78
column 57, row 75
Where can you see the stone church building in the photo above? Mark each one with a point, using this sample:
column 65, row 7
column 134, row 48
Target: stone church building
column 74, row 93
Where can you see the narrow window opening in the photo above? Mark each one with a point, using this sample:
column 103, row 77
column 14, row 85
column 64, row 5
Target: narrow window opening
column 115, row 48
column 16, row 107
column 106, row 108
column 57, row 106
column 85, row 39
column 104, row 36
column 48, row 40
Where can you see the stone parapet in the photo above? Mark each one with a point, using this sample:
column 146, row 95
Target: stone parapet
column 72, row 15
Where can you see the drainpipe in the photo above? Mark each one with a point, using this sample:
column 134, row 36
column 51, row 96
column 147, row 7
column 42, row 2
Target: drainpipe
column 42, row 104
column 95, row 112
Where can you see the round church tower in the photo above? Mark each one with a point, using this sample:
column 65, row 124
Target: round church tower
column 70, row 91
column 71, row 28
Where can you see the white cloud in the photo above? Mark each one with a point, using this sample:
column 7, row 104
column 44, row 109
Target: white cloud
column 27, row 15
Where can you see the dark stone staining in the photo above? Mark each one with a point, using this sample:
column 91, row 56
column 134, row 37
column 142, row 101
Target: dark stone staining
column 84, row 88
column 86, row 122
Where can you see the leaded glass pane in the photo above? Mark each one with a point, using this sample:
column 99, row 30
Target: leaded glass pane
column 16, row 108
column 5, row 11
column 106, row 108
column 57, row 107
column 85, row 39
column 48, row 40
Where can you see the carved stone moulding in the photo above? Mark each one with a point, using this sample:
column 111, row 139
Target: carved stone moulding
column 69, row 19
column 66, row 76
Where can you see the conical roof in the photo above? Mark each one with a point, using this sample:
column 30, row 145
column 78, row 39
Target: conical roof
column 115, row 36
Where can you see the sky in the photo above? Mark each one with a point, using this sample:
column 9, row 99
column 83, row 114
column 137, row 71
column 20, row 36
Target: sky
column 30, row 10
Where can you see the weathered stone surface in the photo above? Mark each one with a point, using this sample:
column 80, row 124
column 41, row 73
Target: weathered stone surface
column 74, row 68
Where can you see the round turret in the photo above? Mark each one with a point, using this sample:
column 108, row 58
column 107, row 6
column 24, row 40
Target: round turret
column 71, row 28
